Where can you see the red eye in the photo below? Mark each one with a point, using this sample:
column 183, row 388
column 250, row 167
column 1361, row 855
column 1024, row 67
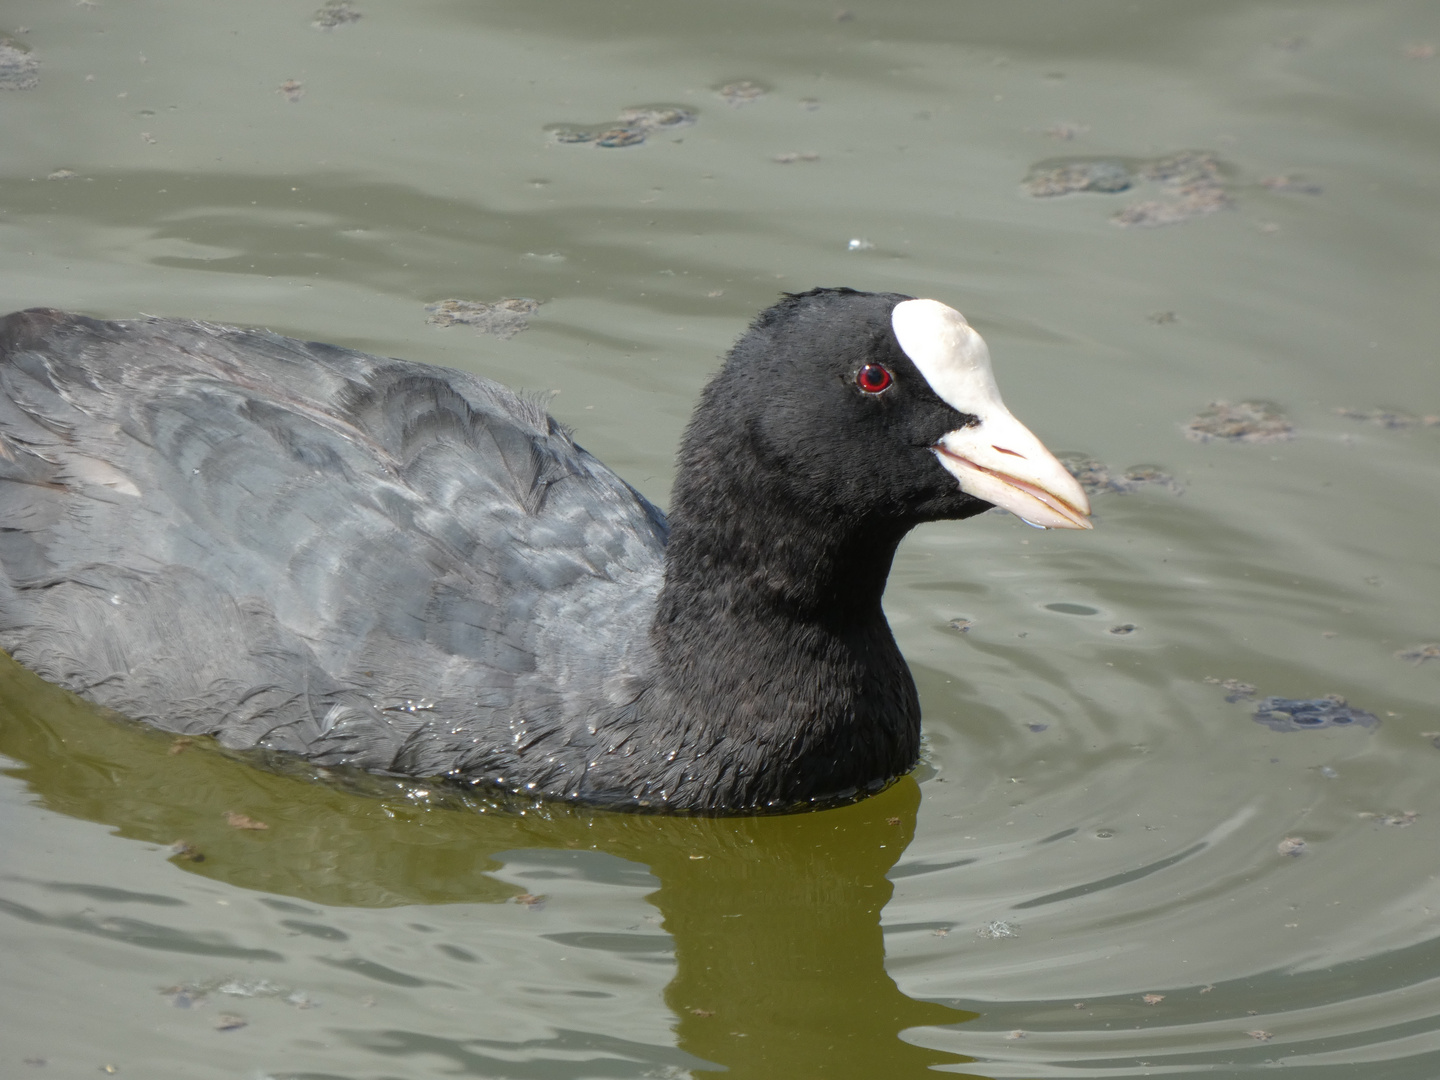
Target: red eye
column 872, row 378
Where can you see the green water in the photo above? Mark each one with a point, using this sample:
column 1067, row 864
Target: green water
column 1085, row 877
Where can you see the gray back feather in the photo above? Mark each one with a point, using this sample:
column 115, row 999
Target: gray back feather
column 300, row 547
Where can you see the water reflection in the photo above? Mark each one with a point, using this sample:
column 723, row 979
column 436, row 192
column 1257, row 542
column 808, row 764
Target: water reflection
column 775, row 922
column 324, row 226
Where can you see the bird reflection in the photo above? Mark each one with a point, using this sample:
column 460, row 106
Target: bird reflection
column 779, row 955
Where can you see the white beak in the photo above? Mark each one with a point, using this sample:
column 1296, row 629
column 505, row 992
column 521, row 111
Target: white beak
column 997, row 459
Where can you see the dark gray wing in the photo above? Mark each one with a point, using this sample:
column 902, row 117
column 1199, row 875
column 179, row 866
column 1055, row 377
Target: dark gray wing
column 300, row 547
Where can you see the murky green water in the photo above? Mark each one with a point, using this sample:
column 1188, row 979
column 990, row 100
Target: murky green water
column 1086, row 877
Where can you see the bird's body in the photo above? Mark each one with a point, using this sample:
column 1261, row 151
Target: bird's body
column 412, row 570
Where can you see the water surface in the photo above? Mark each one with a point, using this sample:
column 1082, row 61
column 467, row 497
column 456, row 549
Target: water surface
column 1103, row 867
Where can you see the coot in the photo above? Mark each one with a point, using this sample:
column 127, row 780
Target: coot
column 408, row 569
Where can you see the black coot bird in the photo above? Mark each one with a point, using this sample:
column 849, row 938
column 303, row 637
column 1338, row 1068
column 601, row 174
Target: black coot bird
column 376, row 563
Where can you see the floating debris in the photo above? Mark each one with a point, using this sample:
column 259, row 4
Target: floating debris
column 1185, row 167
column 657, row 117
column 230, row 1022
column 531, row 900
column 1094, row 475
column 1387, row 419
column 1260, row 1036
column 19, row 69
column 635, row 124
column 1293, row 846
column 335, row 13
column 571, row 133
column 1235, row 690
column 1096, row 478
column 63, row 174
column 616, row 137
column 1137, row 476
column 1151, row 213
column 1193, row 176
column 1036, row 728
column 742, row 92
column 1160, row 318
column 1048, row 179
column 187, row 851
column 791, row 157
column 1402, row 819
column 189, row 995
column 1153, row 999
column 1288, row 714
column 604, row 135
column 1065, row 132
column 702, row 1012
column 1418, row 654
column 960, row 626
column 1124, row 628
column 504, row 318
column 998, row 929
column 1244, row 421
column 240, row 821
column 180, row 744
column 859, row 244
column 1157, row 212
column 1291, row 185
column 1017, row 1034
column 293, row 89
column 1193, row 180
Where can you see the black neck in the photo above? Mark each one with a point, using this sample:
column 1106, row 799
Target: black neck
column 775, row 656
column 728, row 559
